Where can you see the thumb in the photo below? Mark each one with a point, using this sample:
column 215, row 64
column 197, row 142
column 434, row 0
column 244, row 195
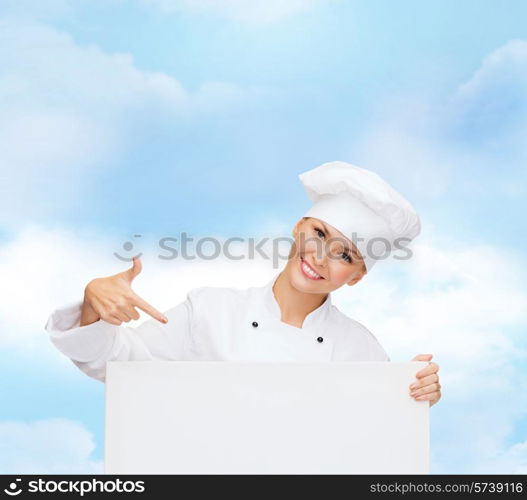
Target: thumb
column 423, row 357
column 136, row 268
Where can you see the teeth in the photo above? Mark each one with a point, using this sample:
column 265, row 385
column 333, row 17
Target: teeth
column 309, row 271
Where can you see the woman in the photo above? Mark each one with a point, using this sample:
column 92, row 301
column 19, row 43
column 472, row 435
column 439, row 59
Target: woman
column 355, row 217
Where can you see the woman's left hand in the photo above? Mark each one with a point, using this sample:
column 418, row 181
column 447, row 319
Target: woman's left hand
column 427, row 386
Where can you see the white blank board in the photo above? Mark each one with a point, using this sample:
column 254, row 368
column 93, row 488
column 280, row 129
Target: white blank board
column 169, row 417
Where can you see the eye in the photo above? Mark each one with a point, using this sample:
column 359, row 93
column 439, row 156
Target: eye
column 346, row 257
column 319, row 232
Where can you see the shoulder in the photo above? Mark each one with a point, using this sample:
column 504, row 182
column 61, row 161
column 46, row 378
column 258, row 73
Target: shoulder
column 354, row 336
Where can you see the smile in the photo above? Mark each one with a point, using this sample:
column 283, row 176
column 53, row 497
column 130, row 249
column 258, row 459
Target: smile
column 310, row 273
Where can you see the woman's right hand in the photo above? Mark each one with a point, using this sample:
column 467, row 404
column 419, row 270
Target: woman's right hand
column 113, row 300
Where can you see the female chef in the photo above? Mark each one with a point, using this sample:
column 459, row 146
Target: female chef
column 356, row 219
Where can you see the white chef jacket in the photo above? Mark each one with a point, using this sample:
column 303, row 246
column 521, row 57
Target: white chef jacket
column 215, row 324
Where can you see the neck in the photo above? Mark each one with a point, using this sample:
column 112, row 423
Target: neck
column 294, row 304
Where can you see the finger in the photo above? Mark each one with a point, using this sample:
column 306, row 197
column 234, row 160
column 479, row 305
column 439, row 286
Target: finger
column 118, row 310
column 423, row 357
column 109, row 317
column 121, row 314
column 147, row 308
column 433, row 396
column 136, row 268
column 435, row 387
column 132, row 312
column 428, row 370
column 113, row 320
column 108, row 312
column 104, row 312
column 429, row 379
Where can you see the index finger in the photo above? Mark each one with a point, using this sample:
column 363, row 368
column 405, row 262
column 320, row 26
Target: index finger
column 147, row 308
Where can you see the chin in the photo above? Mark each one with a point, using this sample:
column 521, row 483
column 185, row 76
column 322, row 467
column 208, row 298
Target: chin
column 300, row 284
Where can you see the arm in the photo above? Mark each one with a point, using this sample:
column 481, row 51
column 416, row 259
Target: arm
column 92, row 345
column 355, row 342
column 377, row 352
column 91, row 332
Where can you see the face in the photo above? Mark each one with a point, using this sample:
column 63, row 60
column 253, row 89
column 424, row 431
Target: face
column 322, row 259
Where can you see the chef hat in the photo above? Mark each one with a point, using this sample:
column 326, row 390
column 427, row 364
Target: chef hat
column 362, row 206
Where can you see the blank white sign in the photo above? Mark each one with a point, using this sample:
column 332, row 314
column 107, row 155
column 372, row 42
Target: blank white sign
column 168, row 417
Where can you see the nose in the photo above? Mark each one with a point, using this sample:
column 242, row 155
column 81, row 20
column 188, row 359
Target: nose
column 319, row 259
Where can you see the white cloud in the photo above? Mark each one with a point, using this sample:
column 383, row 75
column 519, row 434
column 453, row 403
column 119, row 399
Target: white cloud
column 44, row 9
column 47, row 67
column 51, row 446
column 513, row 460
column 472, row 138
column 426, row 166
column 255, row 12
column 489, row 109
column 503, row 72
column 70, row 110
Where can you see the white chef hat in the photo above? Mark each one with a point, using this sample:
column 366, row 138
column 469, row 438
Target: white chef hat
column 362, row 206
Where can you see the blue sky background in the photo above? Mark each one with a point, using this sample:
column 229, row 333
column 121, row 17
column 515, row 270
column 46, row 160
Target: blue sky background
column 154, row 117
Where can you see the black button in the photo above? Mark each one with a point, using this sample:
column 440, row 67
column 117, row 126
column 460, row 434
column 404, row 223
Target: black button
column 320, row 339
column 255, row 324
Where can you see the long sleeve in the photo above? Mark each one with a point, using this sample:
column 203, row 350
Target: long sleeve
column 377, row 352
column 374, row 350
column 91, row 346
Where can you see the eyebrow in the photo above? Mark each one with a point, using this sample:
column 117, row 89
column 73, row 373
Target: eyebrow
column 352, row 250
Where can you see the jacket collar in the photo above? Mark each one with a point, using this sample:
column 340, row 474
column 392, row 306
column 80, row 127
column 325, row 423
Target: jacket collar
column 313, row 319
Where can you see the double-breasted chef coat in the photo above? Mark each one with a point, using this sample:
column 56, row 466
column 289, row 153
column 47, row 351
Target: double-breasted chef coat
column 215, row 324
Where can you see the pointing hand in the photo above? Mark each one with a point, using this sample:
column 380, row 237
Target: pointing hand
column 113, row 300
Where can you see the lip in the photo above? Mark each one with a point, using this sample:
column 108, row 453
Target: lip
column 302, row 261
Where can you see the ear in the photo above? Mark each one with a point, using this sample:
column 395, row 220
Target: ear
column 355, row 280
